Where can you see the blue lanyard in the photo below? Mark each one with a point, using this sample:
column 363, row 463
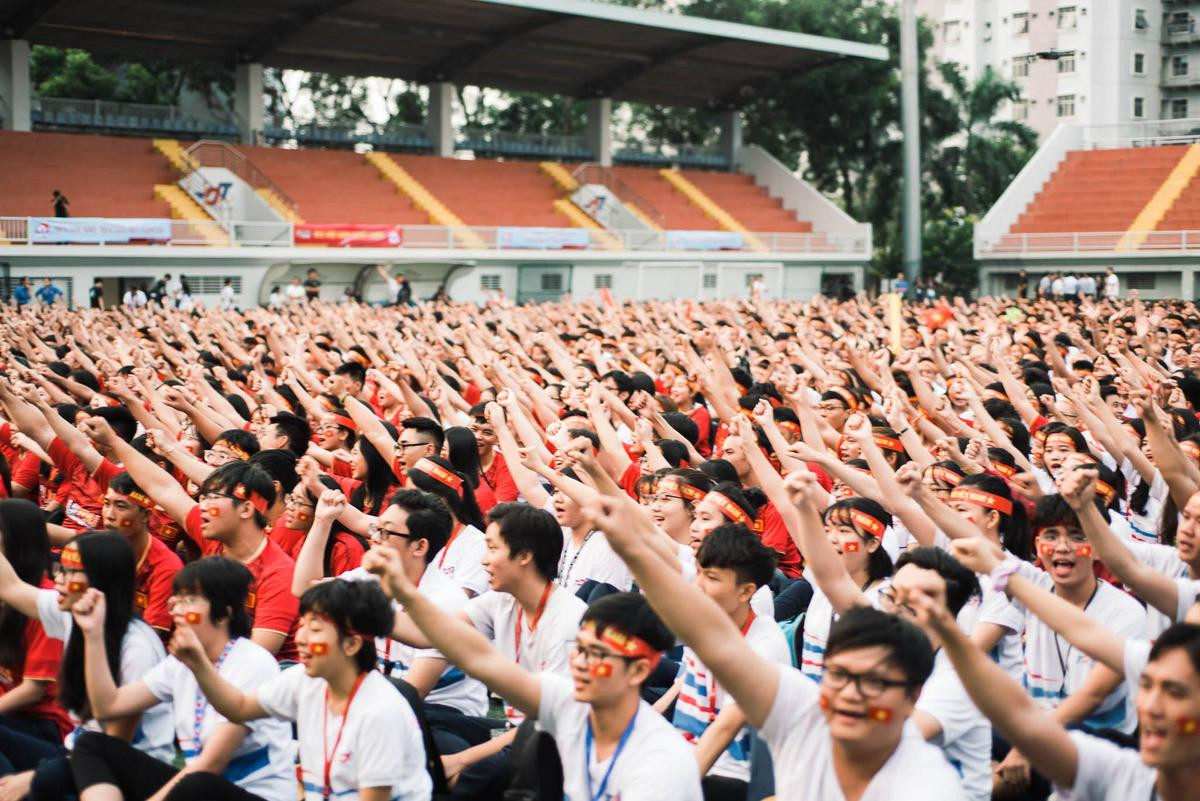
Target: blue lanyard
column 587, row 751
column 202, row 702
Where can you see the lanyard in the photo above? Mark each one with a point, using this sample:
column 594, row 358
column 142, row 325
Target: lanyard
column 533, row 621
column 449, row 542
column 202, row 702
column 612, row 763
column 563, row 575
column 328, row 790
column 1064, row 661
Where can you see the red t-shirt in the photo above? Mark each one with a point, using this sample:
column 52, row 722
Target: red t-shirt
column 270, row 603
column 629, row 479
column 289, row 539
column 26, row 472
column 81, row 495
column 42, row 657
column 703, row 421
column 347, row 550
column 484, row 496
column 153, row 585
column 341, row 468
column 775, row 535
column 191, row 527
column 500, row 480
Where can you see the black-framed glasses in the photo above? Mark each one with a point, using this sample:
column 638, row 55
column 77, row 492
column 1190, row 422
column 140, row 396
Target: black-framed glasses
column 403, row 446
column 378, row 533
column 869, row 685
column 594, row 655
column 889, row 604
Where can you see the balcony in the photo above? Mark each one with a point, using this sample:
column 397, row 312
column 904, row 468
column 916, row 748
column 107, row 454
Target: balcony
column 1190, row 78
column 1180, row 33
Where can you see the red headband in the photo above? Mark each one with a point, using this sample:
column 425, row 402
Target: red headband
column 242, row 493
column 1060, row 438
column 626, row 645
column 70, row 558
column 1107, row 491
column 847, row 396
column 788, row 425
column 686, row 491
column 981, row 498
column 345, row 422
column 235, row 450
column 946, row 475
column 1190, row 448
column 141, row 499
column 888, row 443
column 871, row 525
column 728, row 508
column 1004, row 470
column 439, row 474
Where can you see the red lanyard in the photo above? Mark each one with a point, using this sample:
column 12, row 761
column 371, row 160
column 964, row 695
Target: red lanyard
column 449, row 542
column 533, row 623
column 328, row 790
column 749, row 622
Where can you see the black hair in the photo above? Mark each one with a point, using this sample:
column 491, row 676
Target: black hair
column 463, row 506
column 110, row 566
column 86, row 378
column 879, row 563
column 720, row 470
column 587, row 434
column 280, row 465
column 736, row 548
column 428, row 518
column 296, row 429
column 734, row 492
column 908, row 648
column 26, row 546
column 624, row 383
column 357, row 608
column 673, row 451
column 370, row 495
column 683, row 424
column 630, row 614
column 429, row 428
column 527, row 529
column 228, row 476
column 1182, row 636
column 1014, row 528
column 352, row 370
column 961, row 582
column 225, row 584
column 238, row 403
column 118, row 418
column 123, row 484
column 244, row 441
column 1053, row 510
column 463, row 450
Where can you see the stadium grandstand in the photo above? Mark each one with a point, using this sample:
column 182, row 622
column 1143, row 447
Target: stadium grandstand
column 1065, row 212
column 459, row 211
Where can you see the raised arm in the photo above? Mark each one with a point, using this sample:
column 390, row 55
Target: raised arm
column 233, row 704
column 372, row 428
column 160, row 485
column 310, row 567
column 819, row 554
column 107, row 700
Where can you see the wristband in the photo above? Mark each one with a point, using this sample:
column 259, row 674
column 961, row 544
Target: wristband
column 905, row 431
column 1003, row 572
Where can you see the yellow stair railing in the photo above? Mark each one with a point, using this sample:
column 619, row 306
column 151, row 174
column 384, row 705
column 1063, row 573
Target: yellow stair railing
column 185, row 208
column 710, row 207
column 423, row 199
column 560, row 175
column 175, row 154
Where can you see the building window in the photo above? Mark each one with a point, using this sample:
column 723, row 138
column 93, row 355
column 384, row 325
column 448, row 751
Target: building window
column 1068, row 18
column 1066, row 105
column 489, row 282
column 710, row 280
column 211, row 284
column 1141, row 281
column 952, row 32
column 1066, row 63
column 1020, row 23
column 1021, row 67
column 1139, row 63
column 552, row 282
column 602, row 281
column 1139, row 108
column 1179, row 108
column 1180, row 22
column 1020, row 110
column 1179, row 66
column 1140, row 21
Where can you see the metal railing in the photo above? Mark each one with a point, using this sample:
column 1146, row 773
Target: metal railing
column 211, row 153
column 507, row 142
column 599, row 174
column 1093, row 242
column 210, row 233
column 100, row 108
column 1150, row 133
column 669, row 153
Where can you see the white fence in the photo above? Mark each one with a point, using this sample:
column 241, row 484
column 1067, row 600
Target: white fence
column 16, row 231
column 1095, row 242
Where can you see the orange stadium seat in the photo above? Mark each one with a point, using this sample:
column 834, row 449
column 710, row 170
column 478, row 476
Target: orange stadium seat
column 486, row 192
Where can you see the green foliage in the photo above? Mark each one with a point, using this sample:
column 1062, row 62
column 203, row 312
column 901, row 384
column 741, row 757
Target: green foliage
column 70, row 73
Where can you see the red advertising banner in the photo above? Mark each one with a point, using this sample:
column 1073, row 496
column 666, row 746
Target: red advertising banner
column 350, row 235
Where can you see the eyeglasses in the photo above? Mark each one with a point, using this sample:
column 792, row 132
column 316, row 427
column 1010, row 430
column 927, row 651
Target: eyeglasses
column 1073, row 535
column 403, row 446
column 664, row 498
column 869, row 685
column 379, row 533
column 218, row 458
column 295, row 500
column 213, row 497
column 889, row 604
column 57, row 570
column 593, row 655
column 831, row 407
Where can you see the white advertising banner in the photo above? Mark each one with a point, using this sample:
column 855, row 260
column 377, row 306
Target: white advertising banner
column 96, row 230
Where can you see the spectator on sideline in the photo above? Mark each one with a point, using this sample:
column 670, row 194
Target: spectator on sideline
column 48, row 294
column 60, row 204
column 1112, row 285
column 96, row 294
column 312, row 285
column 20, row 293
column 295, row 290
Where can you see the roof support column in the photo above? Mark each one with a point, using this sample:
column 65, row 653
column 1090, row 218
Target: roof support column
column 440, row 123
column 731, row 137
column 16, row 105
column 599, row 130
column 248, row 101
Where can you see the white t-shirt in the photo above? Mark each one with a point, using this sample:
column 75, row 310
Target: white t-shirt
column 295, row 291
column 141, row 650
column 1106, row 772
column 545, row 650
column 455, row 688
column 655, row 763
column 701, row 698
column 462, row 560
column 966, row 736
column 818, row 621
column 1054, row 669
column 1163, row 559
column 381, row 744
column 594, row 560
column 762, row 601
column 1112, row 285
column 264, row 762
column 802, row 751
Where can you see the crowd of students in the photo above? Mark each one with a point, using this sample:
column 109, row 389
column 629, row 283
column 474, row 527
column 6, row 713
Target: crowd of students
column 664, row 550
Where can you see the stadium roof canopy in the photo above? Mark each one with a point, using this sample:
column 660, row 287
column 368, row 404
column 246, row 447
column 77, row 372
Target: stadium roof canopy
column 569, row 47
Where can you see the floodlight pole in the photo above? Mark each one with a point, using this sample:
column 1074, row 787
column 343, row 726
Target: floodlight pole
column 911, row 123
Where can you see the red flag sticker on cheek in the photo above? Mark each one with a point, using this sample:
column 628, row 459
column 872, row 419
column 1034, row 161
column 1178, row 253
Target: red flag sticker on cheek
column 76, row 586
column 302, row 516
column 823, row 702
column 192, row 618
column 851, row 547
column 1188, row 726
column 318, row 648
column 879, row 714
column 1083, row 550
column 602, row 670
column 213, row 511
column 126, row 523
column 1046, row 548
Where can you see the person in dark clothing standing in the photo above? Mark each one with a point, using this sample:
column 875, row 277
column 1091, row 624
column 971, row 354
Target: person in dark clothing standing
column 61, row 204
column 1022, row 284
column 96, row 294
column 312, row 285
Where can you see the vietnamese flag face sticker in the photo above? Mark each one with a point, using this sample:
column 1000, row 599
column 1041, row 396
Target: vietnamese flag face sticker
column 318, row 648
column 192, row 618
column 1188, row 726
column 1083, row 550
column 879, row 714
column 853, row 546
column 602, row 670
column 76, row 586
column 1046, row 548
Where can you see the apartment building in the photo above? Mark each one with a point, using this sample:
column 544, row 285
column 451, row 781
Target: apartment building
column 1092, row 62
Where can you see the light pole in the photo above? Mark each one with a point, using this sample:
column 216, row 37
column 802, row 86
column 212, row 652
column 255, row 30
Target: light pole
column 911, row 124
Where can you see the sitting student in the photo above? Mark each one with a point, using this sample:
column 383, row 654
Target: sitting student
column 1166, row 766
column 377, row 753
column 627, row 749
column 209, row 600
column 846, row 736
column 105, row 562
column 460, row 558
